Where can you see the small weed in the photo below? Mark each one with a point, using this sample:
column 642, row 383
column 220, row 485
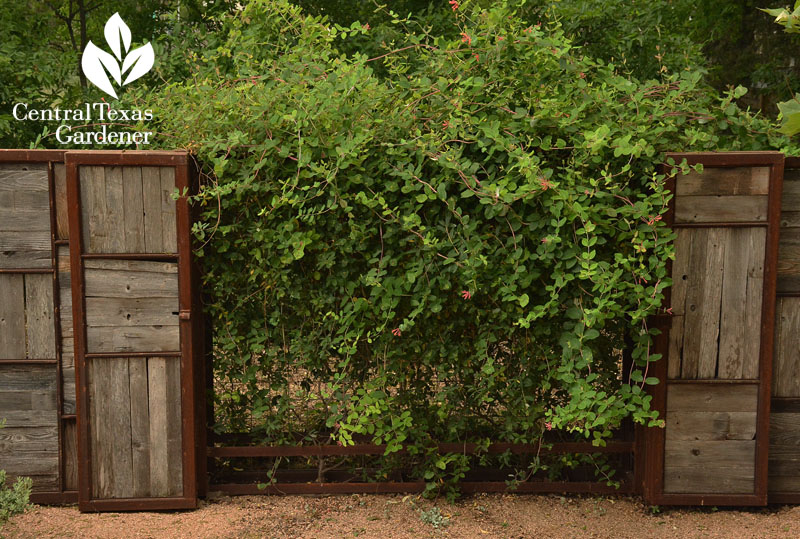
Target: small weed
column 435, row 518
column 654, row 509
column 505, row 524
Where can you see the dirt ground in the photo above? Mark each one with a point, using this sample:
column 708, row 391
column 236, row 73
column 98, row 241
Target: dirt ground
column 395, row 516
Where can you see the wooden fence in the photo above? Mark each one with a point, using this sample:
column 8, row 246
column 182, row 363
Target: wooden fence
column 102, row 373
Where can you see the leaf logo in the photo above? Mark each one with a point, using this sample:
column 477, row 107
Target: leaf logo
column 97, row 64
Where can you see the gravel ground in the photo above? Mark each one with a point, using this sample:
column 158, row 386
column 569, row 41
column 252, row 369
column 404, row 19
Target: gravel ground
column 409, row 516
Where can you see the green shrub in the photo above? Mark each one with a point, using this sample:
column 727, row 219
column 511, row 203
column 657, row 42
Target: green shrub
column 449, row 241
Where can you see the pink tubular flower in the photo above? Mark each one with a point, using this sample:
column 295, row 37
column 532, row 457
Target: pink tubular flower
column 477, row 57
column 545, row 183
column 454, row 4
column 367, row 26
column 396, row 332
column 465, row 294
column 466, row 39
column 548, row 425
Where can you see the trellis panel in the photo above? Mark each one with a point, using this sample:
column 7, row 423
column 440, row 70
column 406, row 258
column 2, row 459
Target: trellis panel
column 717, row 337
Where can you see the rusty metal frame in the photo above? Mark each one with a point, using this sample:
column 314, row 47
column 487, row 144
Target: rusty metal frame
column 789, row 404
column 652, row 440
column 188, row 323
column 48, row 157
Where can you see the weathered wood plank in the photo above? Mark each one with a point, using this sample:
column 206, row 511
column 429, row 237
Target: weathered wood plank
column 133, row 339
column 786, row 359
column 151, row 192
column 115, row 211
column 790, row 191
column 30, row 463
column 27, row 400
column 68, row 389
column 120, row 411
column 93, row 208
column 23, row 439
column 144, row 280
column 681, row 279
column 724, row 181
column 60, row 184
column 703, row 303
column 101, row 429
column 30, row 418
column 102, row 312
column 12, row 316
column 13, row 256
column 783, row 483
column 168, row 222
column 719, row 467
column 29, row 177
column 140, row 426
column 711, row 398
column 70, row 455
column 740, row 323
column 24, row 220
column 159, row 432
column 719, row 209
column 784, row 429
column 39, row 316
column 790, row 218
column 711, row 425
column 174, row 438
column 134, row 209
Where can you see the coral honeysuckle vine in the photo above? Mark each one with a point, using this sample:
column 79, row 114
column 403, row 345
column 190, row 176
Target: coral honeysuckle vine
column 449, row 239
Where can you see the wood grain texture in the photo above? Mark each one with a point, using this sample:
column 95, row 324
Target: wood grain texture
column 70, row 455
column 140, row 427
column 786, row 359
column 720, row 209
column 151, row 194
column 25, row 219
column 119, row 407
column 29, row 442
column 724, row 181
column 39, row 307
column 132, row 339
column 134, row 209
column 131, row 279
column 719, row 467
column 712, row 398
column 94, row 214
column 60, row 184
column 12, row 316
column 740, row 322
column 703, row 303
column 125, row 312
column 789, row 260
column 114, row 226
column 784, row 430
column 169, row 239
column 711, row 426
column 101, row 428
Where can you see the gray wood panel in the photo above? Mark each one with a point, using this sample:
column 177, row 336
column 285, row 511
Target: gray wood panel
column 12, row 316
column 135, row 428
column 712, row 397
column 714, row 467
column 720, row 209
column 128, row 209
column 70, row 455
column 718, row 277
column 29, row 442
column 39, row 309
column 786, row 362
column 25, row 219
column 62, row 217
column 724, row 181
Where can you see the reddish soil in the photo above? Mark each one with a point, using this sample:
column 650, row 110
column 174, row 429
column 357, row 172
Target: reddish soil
column 506, row 516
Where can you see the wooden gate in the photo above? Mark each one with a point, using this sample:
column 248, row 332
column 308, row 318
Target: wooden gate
column 36, row 375
column 717, row 343
column 139, row 421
